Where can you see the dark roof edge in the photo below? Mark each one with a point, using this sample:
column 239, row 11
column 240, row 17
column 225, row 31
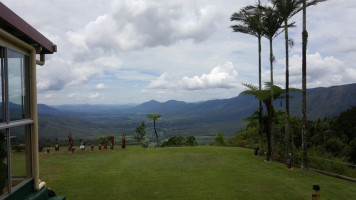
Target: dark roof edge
column 22, row 26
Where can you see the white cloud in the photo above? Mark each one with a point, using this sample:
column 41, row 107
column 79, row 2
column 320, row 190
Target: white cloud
column 49, row 96
column 163, row 82
column 138, row 24
column 222, row 76
column 94, row 95
column 100, row 86
column 74, row 95
column 124, row 44
column 321, row 72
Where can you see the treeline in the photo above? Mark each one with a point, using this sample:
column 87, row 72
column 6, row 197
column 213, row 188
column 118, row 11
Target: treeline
column 328, row 139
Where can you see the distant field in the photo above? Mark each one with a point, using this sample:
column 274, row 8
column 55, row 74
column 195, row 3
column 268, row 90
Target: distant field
column 203, row 172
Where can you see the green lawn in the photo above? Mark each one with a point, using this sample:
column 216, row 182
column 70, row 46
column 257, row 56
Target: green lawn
column 203, row 172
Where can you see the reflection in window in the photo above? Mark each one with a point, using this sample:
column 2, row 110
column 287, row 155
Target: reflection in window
column 3, row 163
column 20, row 154
column 2, row 64
column 18, row 96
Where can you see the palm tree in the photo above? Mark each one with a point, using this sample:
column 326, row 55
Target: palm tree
column 154, row 117
column 287, row 9
column 304, row 163
column 249, row 19
column 271, row 23
column 265, row 97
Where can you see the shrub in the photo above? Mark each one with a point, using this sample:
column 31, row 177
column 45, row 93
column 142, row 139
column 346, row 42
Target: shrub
column 235, row 142
column 353, row 151
column 175, row 141
column 190, row 141
column 146, row 142
column 220, row 140
column 178, row 141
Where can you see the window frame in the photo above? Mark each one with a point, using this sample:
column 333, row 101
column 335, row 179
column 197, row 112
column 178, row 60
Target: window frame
column 7, row 124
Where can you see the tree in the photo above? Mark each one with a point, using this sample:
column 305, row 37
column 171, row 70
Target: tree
column 249, row 22
column 265, row 97
column 287, row 9
column 271, row 23
column 141, row 132
column 154, row 117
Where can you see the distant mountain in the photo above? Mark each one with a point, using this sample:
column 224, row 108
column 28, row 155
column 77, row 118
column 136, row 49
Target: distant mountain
column 321, row 102
column 325, row 102
column 181, row 118
column 47, row 110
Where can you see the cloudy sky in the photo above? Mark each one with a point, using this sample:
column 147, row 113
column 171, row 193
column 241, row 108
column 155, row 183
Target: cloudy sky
column 132, row 51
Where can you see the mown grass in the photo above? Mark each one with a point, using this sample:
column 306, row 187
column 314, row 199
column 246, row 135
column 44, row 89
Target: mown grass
column 203, row 172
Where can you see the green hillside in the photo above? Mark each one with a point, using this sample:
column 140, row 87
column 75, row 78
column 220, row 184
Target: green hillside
column 180, row 118
column 203, row 172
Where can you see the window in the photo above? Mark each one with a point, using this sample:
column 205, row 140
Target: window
column 15, row 122
column 17, row 85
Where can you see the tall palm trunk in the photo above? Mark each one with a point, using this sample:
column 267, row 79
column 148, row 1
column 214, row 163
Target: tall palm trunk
column 272, row 99
column 154, row 126
column 286, row 134
column 260, row 87
column 304, row 164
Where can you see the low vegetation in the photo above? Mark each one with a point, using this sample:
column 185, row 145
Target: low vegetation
column 179, row 141
column 331, row 146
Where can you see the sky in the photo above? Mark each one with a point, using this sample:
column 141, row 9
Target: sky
column 132, row 51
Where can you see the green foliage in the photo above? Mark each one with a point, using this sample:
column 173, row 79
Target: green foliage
column 174, row 141
column 326, row 162
column 345, row 123
column 153, row 116
column 141, row 132
column 103, row 138
column 179, row 141
column 334, row 146
column 220, row 140
column 245, row 138
column 191, row 141
column 146, row 142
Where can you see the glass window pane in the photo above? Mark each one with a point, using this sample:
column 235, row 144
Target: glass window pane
column 3, row 164
column 20, row 154
column 18, row 97
column 2, row 64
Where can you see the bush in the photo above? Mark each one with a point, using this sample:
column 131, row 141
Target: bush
column 353, row 151
column 334, row 146
column 146, row 142
column 178, row 141
column 220, row 140
column 235, row 142
column 190, row 141
column 245, row 138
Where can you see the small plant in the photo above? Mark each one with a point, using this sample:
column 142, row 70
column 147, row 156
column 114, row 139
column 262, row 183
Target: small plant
column 146, row 142
column 220, row 140
column 141, row 132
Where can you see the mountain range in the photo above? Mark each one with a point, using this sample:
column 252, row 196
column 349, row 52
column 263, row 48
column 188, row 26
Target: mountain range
column 182, row 118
